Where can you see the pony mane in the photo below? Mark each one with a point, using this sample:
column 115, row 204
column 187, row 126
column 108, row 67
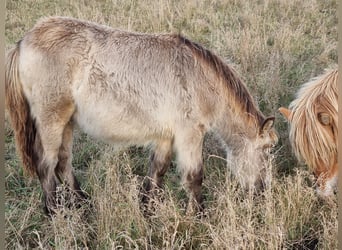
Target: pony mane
column 234, row 84
column 308, row 137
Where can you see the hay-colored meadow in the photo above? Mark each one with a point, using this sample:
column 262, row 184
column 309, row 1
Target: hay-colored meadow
column 275, row 46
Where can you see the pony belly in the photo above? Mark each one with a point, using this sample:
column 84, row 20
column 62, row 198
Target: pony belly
column 118, row 130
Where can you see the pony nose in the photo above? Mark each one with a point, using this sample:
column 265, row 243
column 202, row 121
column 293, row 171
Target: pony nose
column 324, row 192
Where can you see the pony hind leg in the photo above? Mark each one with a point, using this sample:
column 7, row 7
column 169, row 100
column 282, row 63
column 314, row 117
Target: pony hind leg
column 46, row 169
column 160, row 161
column 63, row 170
column 51, row 127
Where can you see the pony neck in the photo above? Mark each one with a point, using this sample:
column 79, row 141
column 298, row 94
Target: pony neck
column 233, row 126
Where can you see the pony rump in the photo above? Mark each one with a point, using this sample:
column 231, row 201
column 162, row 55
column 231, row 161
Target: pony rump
column 19, row 111
column 309, row 139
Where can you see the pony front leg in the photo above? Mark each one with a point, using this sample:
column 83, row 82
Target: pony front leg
column 189, row 156
column 193, row 185
column 159, row 163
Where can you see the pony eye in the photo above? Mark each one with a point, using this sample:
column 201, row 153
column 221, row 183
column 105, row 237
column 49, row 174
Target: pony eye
column 324, row 118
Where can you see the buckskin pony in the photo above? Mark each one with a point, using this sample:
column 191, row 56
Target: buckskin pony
column 128, row 88
column 313, row 129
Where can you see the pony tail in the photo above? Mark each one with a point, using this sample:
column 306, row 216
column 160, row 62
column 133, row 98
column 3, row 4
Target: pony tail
column 19, row 111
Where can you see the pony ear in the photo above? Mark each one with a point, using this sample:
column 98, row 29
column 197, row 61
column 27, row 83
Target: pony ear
column 267, row 124
column 286, row 113
column 324, row 118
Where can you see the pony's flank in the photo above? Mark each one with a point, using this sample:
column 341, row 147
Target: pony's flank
column 236, row 88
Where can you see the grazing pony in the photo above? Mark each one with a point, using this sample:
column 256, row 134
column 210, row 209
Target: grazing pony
column 313, row 129
column 128, row 88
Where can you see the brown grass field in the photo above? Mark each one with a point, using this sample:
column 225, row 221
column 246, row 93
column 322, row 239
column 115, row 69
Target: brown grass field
column 275, row 45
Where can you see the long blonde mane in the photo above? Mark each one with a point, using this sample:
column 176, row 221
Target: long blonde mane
column 309, row 138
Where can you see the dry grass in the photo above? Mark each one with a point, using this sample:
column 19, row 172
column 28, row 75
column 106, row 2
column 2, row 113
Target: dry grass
column 275, row 45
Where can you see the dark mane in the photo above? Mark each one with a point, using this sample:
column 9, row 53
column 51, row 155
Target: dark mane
column 230, row 77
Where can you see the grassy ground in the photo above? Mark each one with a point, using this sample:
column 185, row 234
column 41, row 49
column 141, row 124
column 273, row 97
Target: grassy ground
column 275, row 45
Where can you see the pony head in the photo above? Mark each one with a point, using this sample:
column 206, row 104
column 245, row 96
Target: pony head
column 249, row 157
column 313, row 129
